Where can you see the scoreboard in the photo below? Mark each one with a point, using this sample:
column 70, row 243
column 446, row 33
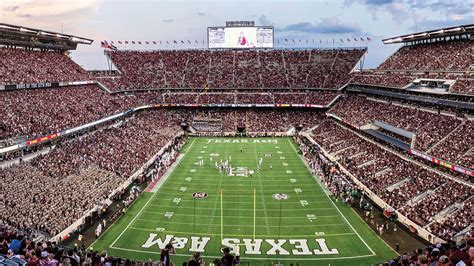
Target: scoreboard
column 240, row 37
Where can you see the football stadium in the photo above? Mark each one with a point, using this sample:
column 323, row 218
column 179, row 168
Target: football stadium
column 251, row 142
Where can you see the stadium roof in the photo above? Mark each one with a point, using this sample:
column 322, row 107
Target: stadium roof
column 444, row 32
column 36, row 38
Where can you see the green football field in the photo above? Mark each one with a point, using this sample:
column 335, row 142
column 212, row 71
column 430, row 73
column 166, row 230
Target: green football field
column 279, row 213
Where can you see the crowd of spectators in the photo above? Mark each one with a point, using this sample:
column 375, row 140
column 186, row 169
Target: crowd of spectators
column 429, row 127
column 397, row 181
column 436, row 255
column 53, row 190
column 21, row 66
column 323, row 98
column 394, row 80
column 17, row 248
column 444, row 196
column 56, row 109
column 442, row 55
column 232, row 69
column 449, row 227
column 463, row 86
column 457, row 147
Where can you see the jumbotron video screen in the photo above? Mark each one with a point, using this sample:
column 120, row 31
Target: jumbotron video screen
column 240, row 37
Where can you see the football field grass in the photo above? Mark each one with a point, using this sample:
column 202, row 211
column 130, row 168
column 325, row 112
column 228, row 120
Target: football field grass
column 279, row 213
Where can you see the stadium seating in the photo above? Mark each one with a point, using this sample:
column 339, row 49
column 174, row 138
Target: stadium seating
column 19, row 66
column 448, row 55
column 430, row 127
column 445, row 58
column 61, row 108
column 233, row 69
column 382, row 79
column 85, row 168
column 394, row 179
column 463, row 86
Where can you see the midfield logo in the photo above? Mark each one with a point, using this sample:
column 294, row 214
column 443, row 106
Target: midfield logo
column 250, row 246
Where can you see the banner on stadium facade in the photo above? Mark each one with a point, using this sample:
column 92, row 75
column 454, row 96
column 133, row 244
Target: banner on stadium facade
column 31, row 86
column 446, row 164
column 42, row 139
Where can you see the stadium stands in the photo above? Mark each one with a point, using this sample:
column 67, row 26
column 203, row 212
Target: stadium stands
column 51, row 191
column 443, row 55
column 61, row 108
column 89, row 168
column 19, row 66
column 433, row 130
column 438, row 60
column 233, row 69
column 382, row 79
column 395, row 180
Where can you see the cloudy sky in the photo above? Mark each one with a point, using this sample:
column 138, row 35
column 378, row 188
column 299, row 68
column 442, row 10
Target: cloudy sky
column 315, row 23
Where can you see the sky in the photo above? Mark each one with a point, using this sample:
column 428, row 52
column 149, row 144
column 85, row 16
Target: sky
column 315, row 23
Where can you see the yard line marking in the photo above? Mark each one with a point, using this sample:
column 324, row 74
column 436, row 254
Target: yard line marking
column 244, row 217
column 222, row 215
column 247, row 209
column 254, row 210
column 244, row 236
column 342, row 215
column 247, row 225
column 146, row 204
column 252, row 258
column 261, row 190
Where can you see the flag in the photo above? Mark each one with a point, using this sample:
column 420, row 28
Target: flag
column 369, row 39
column 104, row 44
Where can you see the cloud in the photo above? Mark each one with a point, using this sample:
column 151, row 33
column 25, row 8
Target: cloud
column 168, row 20
column 264, row 21
column 432, row 24
column 201, row 14
column 396, row 8
column 10, row 8
column 27, row 15
column 326, row 26
column 47, row 14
